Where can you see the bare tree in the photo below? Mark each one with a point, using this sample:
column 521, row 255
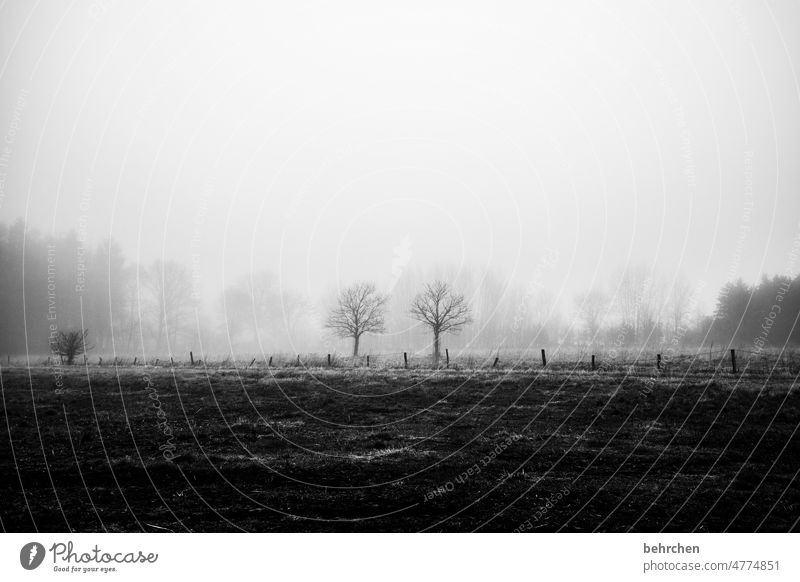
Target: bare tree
column 441, row 309
column 296, row 310
column 170, row 286
column 591, row 306
column 638, row 296
column 69, row 344
column 679, row 300
column 359, row 310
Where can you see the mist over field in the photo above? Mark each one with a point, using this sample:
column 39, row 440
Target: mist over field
column 155, row 310
column 418, row 266
column 529, row 155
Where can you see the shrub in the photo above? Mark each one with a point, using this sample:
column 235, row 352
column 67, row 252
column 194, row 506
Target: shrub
column 69, row 344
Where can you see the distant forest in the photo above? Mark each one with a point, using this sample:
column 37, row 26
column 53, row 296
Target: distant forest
column 154, row 309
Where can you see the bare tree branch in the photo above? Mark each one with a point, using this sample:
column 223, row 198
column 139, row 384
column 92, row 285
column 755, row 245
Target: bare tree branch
column 592, row 305
column 359, row 310
column 170, row 286
column 69, row 344
column 441, row 309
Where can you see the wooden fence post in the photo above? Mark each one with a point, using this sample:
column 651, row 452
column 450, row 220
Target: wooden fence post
column 733, row 360
column 496, row 360
column 329, row 360
column 593, row 366
column 447, row 357
column 405, row 360
column 134, row 360
column 544, row 358
column 269, row 364
column 191, row 358
column 658, row 361
column 367, row 360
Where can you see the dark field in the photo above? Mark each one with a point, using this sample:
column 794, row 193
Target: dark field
column 396, row 450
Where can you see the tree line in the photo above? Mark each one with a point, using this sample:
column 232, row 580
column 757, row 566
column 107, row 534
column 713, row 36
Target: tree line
column 61, row 284
column 760, row 316
column 52, row 284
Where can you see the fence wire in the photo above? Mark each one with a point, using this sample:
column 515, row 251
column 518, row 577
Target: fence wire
column 664, row 363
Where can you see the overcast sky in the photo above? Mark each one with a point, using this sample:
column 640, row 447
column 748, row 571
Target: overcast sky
column 330, row 141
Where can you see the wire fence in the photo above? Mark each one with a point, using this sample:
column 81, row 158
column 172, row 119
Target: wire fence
column 636, row 362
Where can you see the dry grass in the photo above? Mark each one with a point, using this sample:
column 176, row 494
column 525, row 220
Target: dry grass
column 321, row 449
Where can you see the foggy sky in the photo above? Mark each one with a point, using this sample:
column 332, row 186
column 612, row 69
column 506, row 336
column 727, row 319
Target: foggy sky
column 333, row 141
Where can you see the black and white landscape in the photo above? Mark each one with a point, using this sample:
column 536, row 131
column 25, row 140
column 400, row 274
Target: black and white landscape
column 399, row 267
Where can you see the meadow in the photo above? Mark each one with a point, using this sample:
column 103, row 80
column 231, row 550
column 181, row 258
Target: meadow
column 240, row 447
